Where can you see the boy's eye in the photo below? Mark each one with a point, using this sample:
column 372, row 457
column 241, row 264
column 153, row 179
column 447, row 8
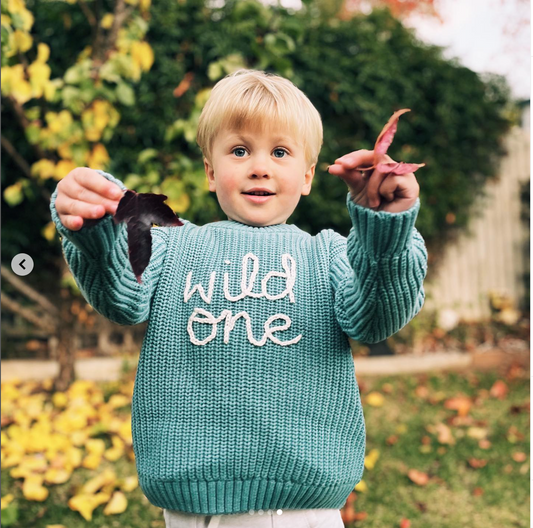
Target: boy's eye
column 239, row 152
column 279, row 152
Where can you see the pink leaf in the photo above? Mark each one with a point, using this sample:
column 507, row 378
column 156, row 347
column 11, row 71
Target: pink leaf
column 398, row 167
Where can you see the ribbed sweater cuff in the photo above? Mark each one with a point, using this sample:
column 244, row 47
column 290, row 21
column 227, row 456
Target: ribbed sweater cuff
column 380, row 233
column 95, row 240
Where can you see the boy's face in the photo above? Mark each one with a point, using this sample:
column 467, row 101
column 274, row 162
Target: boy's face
column 269, row 159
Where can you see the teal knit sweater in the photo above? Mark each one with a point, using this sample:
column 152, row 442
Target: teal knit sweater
column 245, row 395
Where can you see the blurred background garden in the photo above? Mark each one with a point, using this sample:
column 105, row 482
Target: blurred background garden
column 118, row 85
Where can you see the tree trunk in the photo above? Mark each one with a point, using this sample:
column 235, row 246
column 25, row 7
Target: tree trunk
column 66, row 346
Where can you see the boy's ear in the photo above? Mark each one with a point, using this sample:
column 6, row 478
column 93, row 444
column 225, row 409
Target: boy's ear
column 210, row 173
column 308, row 180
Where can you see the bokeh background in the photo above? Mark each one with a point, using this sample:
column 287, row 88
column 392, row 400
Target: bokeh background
column 118, row 85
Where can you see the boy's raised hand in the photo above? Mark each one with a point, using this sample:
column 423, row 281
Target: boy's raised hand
column 379, row 191
column 84, row 194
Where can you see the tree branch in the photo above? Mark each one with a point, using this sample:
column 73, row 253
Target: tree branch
column 17, row 158
column 88, row 13
column 28, row 314
column 28, row 291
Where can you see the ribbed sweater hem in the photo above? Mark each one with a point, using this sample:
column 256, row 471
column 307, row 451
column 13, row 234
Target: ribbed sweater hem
column 240, row 496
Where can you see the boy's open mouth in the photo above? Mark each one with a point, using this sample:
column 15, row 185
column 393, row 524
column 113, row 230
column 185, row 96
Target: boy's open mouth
column 258, row 197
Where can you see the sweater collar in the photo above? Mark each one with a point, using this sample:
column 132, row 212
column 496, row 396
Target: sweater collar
column 238, row 226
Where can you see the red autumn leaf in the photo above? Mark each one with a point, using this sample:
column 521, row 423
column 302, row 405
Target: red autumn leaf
column 184, row 85
column 405, row 523
column 461, row 404
column 382, row 145
column 418, row 477
column 140, row 211
column 519, row 456
column 499, row 390
column 477, row 463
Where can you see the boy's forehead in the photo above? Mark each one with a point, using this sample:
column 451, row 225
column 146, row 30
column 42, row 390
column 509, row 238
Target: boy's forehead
column 249, row 134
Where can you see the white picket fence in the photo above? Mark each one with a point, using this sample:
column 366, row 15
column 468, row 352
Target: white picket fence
column 492, row 256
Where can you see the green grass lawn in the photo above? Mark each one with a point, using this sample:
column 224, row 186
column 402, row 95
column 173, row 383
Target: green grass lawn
column 405, row 431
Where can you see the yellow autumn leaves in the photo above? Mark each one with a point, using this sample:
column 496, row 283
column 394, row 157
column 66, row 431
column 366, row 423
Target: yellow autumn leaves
column 75, row 134
column 45, row 438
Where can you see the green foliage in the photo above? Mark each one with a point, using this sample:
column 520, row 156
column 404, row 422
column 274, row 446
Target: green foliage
column 356, row 72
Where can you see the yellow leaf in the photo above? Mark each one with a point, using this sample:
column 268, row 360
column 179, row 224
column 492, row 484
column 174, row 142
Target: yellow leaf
column 23, row 41
column 13, row 194
column 6, row 20
column 95, row 446
column 142, row 55
column 86, row 503
column 117, row 504
column 144, row 5
column 57, row 476
column 43, row 52
column 44, row 168
column 33, row 490
column 107, row 21
column 92, row 461
column 6, row 500
column 118, row 400
column 129, row 483
column 60, row 399
column 99, row 157
column 116, row 451
column 49, row 231
column 106, row 477
column 371, row 459
column 375, row 399
column 63, row 168
column 361, row 486
column 181, row 204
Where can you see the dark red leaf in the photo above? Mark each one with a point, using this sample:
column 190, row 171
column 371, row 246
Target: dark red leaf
column 140, row 211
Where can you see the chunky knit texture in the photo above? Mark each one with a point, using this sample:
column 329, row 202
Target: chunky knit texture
column 245, row 395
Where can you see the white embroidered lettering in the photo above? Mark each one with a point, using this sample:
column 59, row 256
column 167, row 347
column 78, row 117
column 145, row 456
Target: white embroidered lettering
column 247, row 285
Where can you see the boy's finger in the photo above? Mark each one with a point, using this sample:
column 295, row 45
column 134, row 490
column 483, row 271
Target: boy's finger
column 92, row 180
column 68, row 206
column 353, row 178
column 78, row 193
column 358, row 158
column 373, row 188
column 74, row 223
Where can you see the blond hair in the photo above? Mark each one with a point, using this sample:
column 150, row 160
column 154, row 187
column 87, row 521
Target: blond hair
column 254, row 99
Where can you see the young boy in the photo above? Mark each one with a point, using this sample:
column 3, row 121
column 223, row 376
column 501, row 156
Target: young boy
column 246, row 405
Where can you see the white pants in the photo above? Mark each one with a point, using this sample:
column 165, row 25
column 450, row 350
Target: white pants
column 320, row 518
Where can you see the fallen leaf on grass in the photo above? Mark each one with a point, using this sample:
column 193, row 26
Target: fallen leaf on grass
column 371, row 459
column 405, row 523
column 86, row 503
column 499, row 390
column 479, row 433
column 519, row 456
column 117, row 504
column 376, row 399
column 514, row 435
column 444, row 434
column 477, row 492
column 477, row 463
column 6, row 500
column 418, row 477
column 461, row 404
column 33, row 489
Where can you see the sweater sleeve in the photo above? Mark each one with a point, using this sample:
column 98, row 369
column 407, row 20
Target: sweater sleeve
column 377, row 272
column 97, row 256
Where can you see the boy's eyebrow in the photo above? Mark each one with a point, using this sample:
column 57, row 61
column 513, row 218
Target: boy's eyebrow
column 242, row 137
